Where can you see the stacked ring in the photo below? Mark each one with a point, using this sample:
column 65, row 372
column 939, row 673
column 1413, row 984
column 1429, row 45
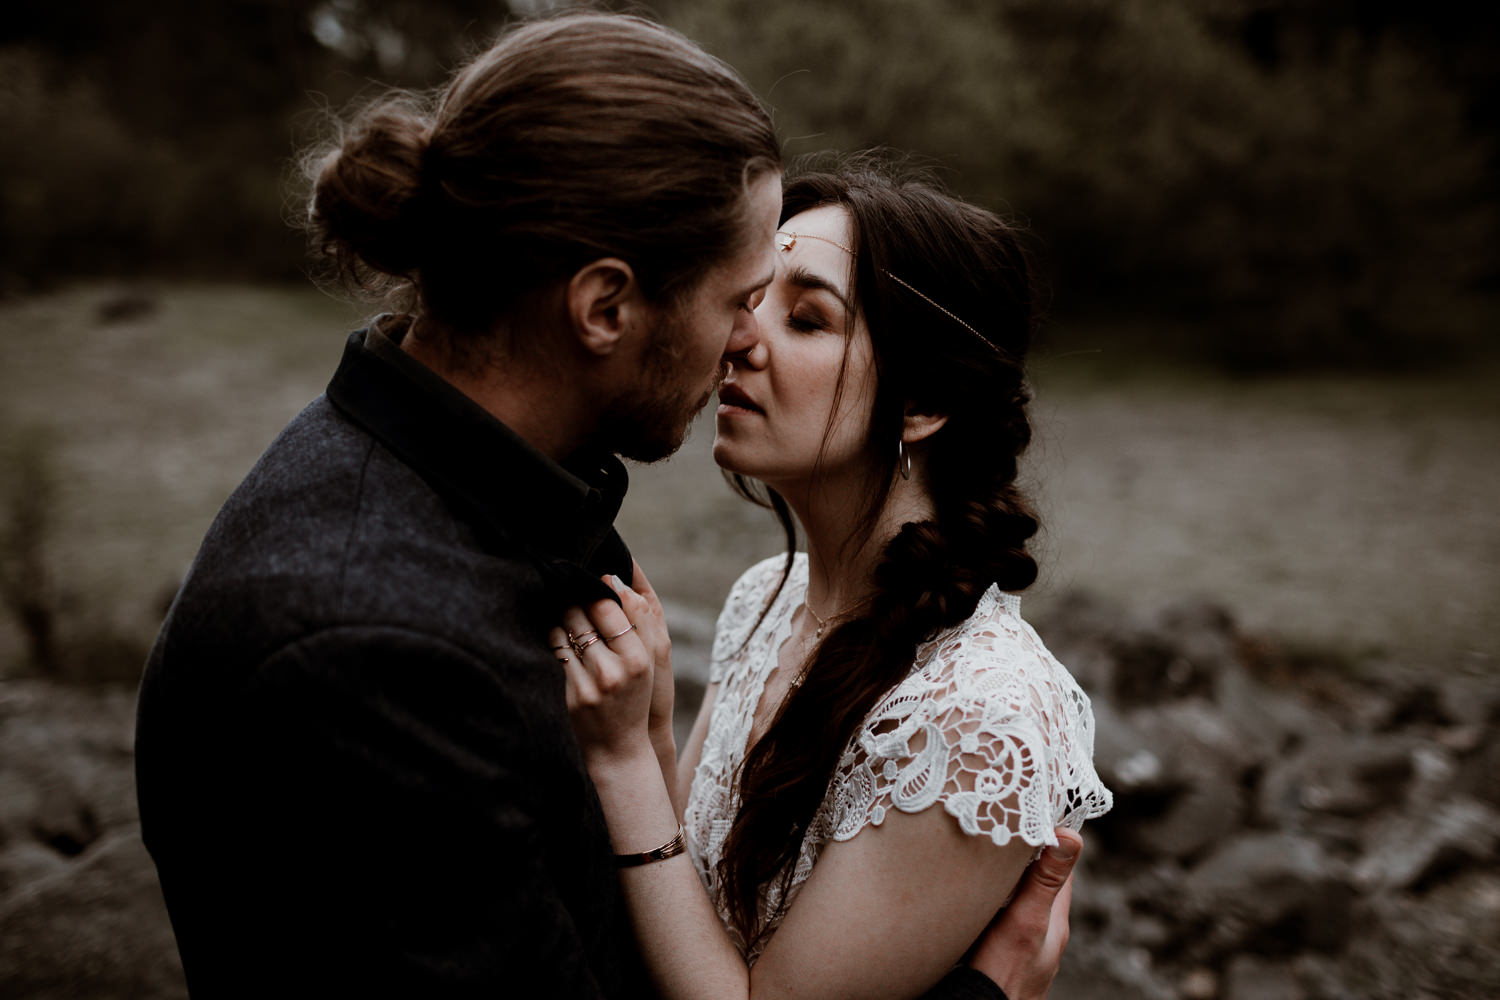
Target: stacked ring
column 589, row 638
column 583, row 640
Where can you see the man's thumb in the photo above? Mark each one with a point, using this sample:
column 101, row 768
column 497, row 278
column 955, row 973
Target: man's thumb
column 1056, row 863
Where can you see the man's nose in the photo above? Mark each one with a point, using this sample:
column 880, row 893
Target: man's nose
column 744, row 338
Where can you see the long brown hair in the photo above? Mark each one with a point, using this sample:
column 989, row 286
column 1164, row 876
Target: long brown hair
column 965, row 264
column 572, row 138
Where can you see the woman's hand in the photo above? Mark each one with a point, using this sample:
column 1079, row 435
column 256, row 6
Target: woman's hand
column 642, row 607
column 615, row 657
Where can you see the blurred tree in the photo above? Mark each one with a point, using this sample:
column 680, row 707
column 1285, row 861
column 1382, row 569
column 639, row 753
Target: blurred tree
column 1292, row 181
column 161, row 138
column 1295, row 183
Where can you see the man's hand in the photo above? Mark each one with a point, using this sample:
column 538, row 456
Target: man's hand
column 1022, row 948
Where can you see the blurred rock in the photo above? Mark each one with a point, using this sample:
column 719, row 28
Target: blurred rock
column 98, row 929
column 25, row 863
column 1251, row 978
column 1108, row 974
column 66, row 774
column 1339, row 775
column 1445, row 943
column 1125, row 760
column 1479, row 773
column 1273, row 893
column 1410, row 850
column 1198, row 984
column 1193, row 822
column 1469, row 701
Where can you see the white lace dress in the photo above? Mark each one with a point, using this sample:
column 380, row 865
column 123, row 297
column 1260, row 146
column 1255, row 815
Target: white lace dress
column 986, row 723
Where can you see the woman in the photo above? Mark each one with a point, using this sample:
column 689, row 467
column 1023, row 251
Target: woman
column 884, row 672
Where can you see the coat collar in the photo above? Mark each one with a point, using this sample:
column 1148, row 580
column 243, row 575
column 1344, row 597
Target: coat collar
column 562, row 512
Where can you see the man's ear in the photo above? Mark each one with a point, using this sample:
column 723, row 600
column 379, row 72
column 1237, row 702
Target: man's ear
column 602, row 300
column 918, row 426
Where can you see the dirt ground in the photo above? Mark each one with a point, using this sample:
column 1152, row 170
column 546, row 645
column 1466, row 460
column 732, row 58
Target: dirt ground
column 1348, row 514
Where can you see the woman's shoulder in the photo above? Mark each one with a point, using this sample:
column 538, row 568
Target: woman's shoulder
column 992, row 647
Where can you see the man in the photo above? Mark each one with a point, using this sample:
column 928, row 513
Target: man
column 355, row 766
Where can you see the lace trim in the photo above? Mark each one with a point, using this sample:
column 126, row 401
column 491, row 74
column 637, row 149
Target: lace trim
column 988, row 723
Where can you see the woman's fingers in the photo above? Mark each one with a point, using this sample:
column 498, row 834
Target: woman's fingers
column 641, row 585
column 645, row 611
column 634, row 605
column 609, row 677
column 579, row 688
column 607, row 645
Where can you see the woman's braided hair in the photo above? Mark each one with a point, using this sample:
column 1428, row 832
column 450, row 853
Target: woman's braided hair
column 932, row 573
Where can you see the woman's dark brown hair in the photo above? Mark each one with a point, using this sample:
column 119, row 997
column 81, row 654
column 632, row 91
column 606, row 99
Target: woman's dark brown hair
column 910, row 237
column 570, row 139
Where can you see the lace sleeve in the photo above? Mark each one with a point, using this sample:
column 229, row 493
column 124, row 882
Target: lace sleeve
column 988, row 724
column 742, row 608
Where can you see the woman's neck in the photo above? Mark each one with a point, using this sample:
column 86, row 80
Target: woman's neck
column 841, row 559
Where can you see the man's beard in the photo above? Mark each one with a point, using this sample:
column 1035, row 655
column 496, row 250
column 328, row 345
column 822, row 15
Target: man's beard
column 651, row 421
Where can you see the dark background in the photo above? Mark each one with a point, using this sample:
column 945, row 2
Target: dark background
column 1318, row 176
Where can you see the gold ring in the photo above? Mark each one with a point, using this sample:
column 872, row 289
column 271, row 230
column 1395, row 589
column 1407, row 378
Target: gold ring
column 611, row 638
column 579, row 647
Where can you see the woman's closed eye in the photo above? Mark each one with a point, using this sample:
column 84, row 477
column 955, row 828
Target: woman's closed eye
column 807, row 321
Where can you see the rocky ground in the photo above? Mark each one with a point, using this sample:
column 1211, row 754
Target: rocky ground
column 1283, row 828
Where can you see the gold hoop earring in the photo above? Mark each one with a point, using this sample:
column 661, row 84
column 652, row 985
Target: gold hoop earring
column 903, row 459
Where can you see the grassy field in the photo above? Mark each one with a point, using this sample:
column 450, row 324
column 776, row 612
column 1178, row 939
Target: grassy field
column 1351, row 514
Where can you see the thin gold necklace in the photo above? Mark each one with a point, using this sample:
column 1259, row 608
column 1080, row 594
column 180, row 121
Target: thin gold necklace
column 817, row 634
column 823, row 623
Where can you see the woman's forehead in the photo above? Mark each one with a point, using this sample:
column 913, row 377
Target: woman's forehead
column 830, row 223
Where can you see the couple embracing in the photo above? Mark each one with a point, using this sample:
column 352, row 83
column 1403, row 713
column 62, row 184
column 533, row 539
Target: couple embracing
column 407, row 727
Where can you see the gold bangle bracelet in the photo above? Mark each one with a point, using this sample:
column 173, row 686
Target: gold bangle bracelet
column 677, row 845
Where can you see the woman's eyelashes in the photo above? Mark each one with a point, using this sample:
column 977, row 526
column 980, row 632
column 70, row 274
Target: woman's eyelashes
column 806, row 321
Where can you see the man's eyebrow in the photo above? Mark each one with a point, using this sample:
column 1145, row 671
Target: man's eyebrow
column 803, row 278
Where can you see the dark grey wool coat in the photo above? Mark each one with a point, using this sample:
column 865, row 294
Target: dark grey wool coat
column 355, row 769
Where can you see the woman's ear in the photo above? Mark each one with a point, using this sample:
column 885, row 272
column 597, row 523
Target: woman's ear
column 919, row 426
column 602, row 299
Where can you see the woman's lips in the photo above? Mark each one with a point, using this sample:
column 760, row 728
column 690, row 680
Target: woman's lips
column 733, row 398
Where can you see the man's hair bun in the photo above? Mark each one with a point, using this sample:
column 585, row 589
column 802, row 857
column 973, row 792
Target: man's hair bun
column 367, row 205
column 572, row 138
